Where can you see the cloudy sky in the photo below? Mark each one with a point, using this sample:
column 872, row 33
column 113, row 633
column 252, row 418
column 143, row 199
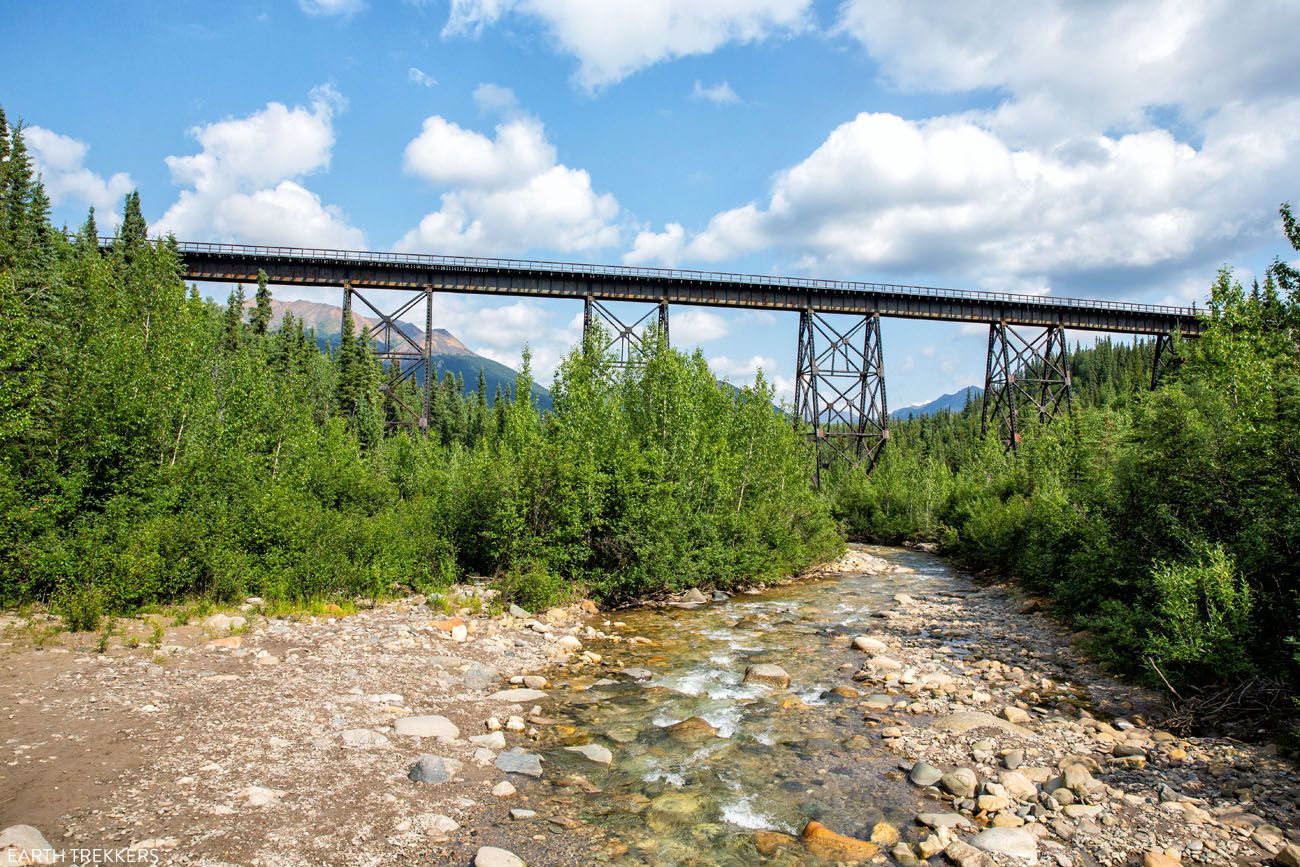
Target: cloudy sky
column 1101, row 149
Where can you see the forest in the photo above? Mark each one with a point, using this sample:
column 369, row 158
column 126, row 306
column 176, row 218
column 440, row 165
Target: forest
column 157, row 446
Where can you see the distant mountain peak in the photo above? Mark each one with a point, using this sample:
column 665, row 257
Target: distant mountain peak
column 954, row 402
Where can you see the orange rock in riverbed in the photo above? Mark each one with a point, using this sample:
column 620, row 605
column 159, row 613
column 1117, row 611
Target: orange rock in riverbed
column 768, row 842
column 825, row 843
column 447, row 625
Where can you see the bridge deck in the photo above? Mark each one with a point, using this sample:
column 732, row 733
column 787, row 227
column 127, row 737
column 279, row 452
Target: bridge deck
column 240, row 263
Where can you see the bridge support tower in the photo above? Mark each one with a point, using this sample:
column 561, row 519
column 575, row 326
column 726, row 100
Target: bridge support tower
column 402, row 355
column 627, row 343
column 1165, row 358
column 839, row 389
column 1022, row 372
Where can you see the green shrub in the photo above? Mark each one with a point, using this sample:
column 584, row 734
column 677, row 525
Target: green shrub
column 533, row 587
column 82, row 608
column 1202, row 628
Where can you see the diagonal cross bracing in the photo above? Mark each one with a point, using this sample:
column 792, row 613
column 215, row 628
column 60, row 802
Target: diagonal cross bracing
column 840, row 389
column 625, row 343
column 1024, row 372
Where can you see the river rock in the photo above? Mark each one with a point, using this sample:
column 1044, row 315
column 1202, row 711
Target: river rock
column 1017, row 785
column 491, row 856
column 568, row 642
column 362, row 738
column 924, row 774
column 967, row 720
column 535, row 681
column 966, row 855
column 1013, row 714
column 1077, row 779
column 225, row 622
column 883, row 663
column 518, row 696
column 479, row 676
column 427, row 727
column 518, row 761
column 1016, row 842
column 23, row 844
column 492, row 740
column 434, row 770
column 825, row 843
column 1156, row 858
column 504, row 789
column 944, row 820
column 765, row 672
column 594, row 752
column 693, row 597
column 1289, row 856
column 516, row 611
column 867, row 644
column 692, row 728
column 638, row 674
column 960, row 783
column 767, row 842
column 521, row 813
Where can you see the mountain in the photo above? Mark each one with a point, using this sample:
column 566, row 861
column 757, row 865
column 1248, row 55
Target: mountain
column 954, row 402
column 449, row 354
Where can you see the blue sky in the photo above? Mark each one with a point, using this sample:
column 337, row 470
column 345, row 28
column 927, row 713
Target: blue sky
column 1106, row 149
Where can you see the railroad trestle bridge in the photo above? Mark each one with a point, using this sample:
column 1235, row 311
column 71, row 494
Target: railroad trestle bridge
column 840, row 376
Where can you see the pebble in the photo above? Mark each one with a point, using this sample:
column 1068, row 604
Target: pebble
column 362, row 738
column 518, row 696
column 518, row 761
column 1007, row 841
column 427, row 727
column 492, row 740
column 923, row 774
column 594, row 752
column 767, row 673
column 434, row 770
column 491, row 856
column 504, row 789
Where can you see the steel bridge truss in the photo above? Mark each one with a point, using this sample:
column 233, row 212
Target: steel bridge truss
column 1166, row 358
column 401, row 354
column 626, row 344
column 839, row 389
column 1024, row 372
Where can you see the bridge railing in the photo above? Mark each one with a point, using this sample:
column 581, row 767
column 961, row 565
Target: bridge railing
column 423, row 260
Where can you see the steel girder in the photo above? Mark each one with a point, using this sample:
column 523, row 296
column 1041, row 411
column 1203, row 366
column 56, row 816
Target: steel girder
column 626, row 343
column 401, row 354
column 839, row 389
column 1024, row 372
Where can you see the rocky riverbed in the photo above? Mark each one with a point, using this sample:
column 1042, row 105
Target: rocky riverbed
column 884, row 710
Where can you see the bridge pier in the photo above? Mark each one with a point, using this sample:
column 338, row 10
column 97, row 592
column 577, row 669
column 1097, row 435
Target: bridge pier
column 1165, row 358
column 1023, row 372
column 402, row 356
column 839, row 389
column 626, row 342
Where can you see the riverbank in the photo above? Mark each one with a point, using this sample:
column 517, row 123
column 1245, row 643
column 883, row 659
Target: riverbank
column 922, row 711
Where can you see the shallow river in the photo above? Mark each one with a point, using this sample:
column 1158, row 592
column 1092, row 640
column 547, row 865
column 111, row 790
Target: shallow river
column 780, row 757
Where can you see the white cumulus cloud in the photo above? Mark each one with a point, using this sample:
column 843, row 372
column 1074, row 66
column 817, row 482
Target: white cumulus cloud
column 60, row 160
column 332, row 8
column 718, row 94
column 245, row 184
column 947, row 195
column 418, row 76
column 1080, row 66
column 504, row 194
column 614, row 38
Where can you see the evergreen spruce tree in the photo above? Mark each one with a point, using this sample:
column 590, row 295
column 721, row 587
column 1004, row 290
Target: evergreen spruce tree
column 261, row 318
column 345, row 362
column 88, row 234
column 134, row 230
column 233, row 334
